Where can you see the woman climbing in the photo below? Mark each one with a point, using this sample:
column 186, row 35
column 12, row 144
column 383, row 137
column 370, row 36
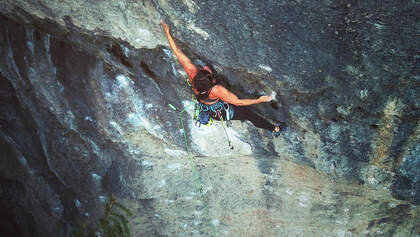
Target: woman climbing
column 215, row 99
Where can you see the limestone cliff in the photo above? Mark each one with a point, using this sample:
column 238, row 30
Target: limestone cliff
column 84, row 112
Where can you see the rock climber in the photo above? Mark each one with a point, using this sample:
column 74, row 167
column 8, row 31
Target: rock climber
column 214, row 97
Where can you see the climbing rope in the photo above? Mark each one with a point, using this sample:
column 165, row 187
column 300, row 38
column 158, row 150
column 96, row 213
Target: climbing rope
column 200, row 186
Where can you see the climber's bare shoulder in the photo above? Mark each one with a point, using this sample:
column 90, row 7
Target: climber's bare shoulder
column 224, row 94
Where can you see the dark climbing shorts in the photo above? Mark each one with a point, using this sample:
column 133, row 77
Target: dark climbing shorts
column 244, row 113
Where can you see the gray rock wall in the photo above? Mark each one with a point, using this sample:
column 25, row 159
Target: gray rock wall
column 345, row 72
column 85, row 94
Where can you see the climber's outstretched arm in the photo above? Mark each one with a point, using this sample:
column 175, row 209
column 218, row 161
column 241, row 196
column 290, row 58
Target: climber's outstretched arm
column 186, row 63
column 227, row 96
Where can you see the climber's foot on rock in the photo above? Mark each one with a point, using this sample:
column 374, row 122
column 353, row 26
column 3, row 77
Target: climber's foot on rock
column 279, row 129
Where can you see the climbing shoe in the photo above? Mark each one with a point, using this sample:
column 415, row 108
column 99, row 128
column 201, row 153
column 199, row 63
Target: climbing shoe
column 282, row 126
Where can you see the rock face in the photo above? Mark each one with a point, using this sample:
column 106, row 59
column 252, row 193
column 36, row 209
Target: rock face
column 85, row 90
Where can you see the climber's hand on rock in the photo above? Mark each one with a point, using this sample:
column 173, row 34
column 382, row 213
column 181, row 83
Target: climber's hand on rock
column 265, row 98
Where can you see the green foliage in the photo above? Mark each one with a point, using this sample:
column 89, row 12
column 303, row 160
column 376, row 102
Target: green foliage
column 114, row 222
column 81, row 232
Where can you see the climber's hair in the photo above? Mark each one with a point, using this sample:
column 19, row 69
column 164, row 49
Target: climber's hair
column 203, row 82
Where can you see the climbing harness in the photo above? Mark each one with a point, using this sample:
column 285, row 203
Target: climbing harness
column 200, row 186
column 204, row 113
